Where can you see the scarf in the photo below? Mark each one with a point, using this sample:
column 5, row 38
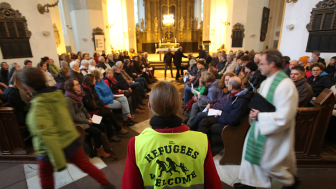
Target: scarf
column 114, row 81
column 255, row 146
column 76, row 96
column 161, row 122
column 54, row 68
column 76, row 71
column 208, row 84
column 23, row 94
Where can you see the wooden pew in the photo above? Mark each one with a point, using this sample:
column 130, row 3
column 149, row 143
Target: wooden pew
column 12, row 144
column 311, row 126
column 233, row 140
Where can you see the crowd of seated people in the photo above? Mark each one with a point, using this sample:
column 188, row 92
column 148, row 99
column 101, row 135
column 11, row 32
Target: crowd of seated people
column 239, row 79
column 92, row 86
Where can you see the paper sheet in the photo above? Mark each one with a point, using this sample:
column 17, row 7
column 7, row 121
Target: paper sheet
column 119, row 95
column 150, row 68
column 144, row 70
column 213, row 112
column 96, row 119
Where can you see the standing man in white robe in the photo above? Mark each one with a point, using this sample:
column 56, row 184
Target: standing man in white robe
column 277, row 156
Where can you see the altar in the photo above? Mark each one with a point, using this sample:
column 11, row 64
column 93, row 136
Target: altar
column 163, row 50
column 167, row 45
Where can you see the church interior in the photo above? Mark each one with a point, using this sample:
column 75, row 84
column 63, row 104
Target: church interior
column 72, row 38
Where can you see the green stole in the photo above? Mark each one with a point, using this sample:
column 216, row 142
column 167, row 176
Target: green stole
column 254, row 147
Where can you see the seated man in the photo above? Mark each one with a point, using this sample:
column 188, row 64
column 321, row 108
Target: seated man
column 235, row 109
column 288, row 69
column 221, row 65
column 305, row 90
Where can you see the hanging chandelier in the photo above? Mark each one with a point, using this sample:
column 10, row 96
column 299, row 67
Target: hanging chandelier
column 168, row 20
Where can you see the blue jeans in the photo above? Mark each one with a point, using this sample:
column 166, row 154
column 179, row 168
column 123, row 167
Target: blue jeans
column 187, row 94
column 142, row 81
column 198, row 119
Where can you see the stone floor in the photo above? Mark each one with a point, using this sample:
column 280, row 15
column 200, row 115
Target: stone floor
column 25, row 176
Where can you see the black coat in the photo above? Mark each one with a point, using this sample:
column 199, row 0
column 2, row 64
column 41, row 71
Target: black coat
column 322, row 61
column 202, row 54
column 130, row 72
column 4, row 76
column 91, row 100
column 14, row 100
column 178, row 58
column 214, row 62
column 168, row 58
column 75, row 75
column 121, row 82
column 111, row 63
column 323, row 81
column 256, row 80
column 101, row 65
column 137, row 67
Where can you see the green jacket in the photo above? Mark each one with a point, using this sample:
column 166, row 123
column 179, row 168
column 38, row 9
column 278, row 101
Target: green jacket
column 203, row 90
column 51, row 127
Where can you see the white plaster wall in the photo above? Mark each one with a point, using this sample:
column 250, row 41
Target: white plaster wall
column 294, row 42
column 64, row 11
column 239, row 14
column 131, row 24
column 108, row 49
column 197, row 10
column 206, row 20
column 37, row 23
column 81, row 30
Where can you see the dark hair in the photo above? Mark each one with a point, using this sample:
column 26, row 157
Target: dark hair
column 318, row 64
column 39, row 65
column 26, row 62
column 88, row 79
column 69, row 84
column 44, row 59
column 200, row 62
column 301, row 69
column 33, row 77
column 126, row 61
column 334, row 57
column 213, row 70
column 63, row 71
column 96, row 74
column 317, row 52
column 209, row 77
column 286, row 59
column 2, row 64
column 246, row 58
column 273, row 55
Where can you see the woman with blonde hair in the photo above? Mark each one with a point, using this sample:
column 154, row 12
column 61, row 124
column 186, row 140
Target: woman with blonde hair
column 169, row 143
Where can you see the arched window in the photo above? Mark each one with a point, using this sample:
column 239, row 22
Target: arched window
column 237, row 35
column 14, row 34
column 322, row 27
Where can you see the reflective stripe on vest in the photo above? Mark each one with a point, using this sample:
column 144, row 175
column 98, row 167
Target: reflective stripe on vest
column 173, row 160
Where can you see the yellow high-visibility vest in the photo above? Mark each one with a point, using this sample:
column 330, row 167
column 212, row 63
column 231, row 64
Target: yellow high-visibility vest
column 171, row 159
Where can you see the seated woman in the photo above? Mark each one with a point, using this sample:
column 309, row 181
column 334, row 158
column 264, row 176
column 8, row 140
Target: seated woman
column 52, row 68
column 203, row 100
column 49, row 78
column 74, row 96
column 130, row 70
column 84, row 68
column 139, row 70
column 4, row 72
column 18, row 98
column 136, row 86
column 310, row 61
column 63, row 75
column 167, row 126
column 94, row 105
column 75, row 73
column 112, row 102
column 93, row 66
column 112, row 83
column 218, row 103
column 319, row 80
column 194, row 80
column 331, row 68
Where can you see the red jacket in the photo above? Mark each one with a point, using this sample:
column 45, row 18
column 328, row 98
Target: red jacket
column 132, row 177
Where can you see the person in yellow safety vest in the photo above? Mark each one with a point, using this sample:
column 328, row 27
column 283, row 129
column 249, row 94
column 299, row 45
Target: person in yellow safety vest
column 168, row 154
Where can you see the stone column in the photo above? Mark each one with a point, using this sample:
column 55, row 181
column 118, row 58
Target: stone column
column 85, row 16
column 149, row 16
column 188, row 15
column 177, row 19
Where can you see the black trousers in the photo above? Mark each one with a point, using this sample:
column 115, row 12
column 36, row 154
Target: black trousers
column 170, row 67
column 109, row 121
column 210, row 126
column 178, row 68
column 96, row 134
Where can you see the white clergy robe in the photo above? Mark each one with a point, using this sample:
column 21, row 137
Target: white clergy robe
column 278, row 160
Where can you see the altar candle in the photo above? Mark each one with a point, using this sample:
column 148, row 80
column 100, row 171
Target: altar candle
column 175, row 39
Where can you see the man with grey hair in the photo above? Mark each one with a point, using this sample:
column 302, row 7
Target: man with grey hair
column 101, row 63
column 292, row 64
column 221, row 65
column 234, row 111
column 230, row 65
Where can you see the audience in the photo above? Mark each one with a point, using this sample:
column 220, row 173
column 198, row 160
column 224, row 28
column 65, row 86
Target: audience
column 230, row 65
column 64, row 64
column 331, row 68
column 256, row 59
column 52, row 68
column 4, row 72
column 75, row 73
column 214, row 60
column 304, row 89
column 110, row 60
column 130, row 71
column 62, row 77
column 319, row 80
column 310, row 61
column 316, row 55
column 50, row 81
column 84, row 68
column 221, row 65
column 101, row 63
column 27, row 64
column 239, row 65
column 94, row 106
column 285, row 60
column 288, row 69
column 12, row 68
column 253, row 81
column 303, row 61
column 74, row 96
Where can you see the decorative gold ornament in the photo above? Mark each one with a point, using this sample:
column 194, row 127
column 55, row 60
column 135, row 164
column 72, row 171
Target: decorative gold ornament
column 45, row 9
column 289, row 1
column 57, row 36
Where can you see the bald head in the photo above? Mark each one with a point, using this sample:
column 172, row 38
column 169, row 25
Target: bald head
column 293, row 63
column 234, row 84
column 168, row 49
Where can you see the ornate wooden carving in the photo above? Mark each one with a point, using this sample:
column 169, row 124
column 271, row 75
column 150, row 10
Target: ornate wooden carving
column 322, row 7
column 57, row 36
column 237, row 35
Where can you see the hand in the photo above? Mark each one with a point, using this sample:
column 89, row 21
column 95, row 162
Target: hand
column 134, row 73
column 217, row 115
column 129, row 89
column 131, row 80
column 192, row 90
column 314, row 98
column 242, row 73
column 254, row 114
column 101, row 68
column 90, row 121
column 119, row 90
column 208, row 107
